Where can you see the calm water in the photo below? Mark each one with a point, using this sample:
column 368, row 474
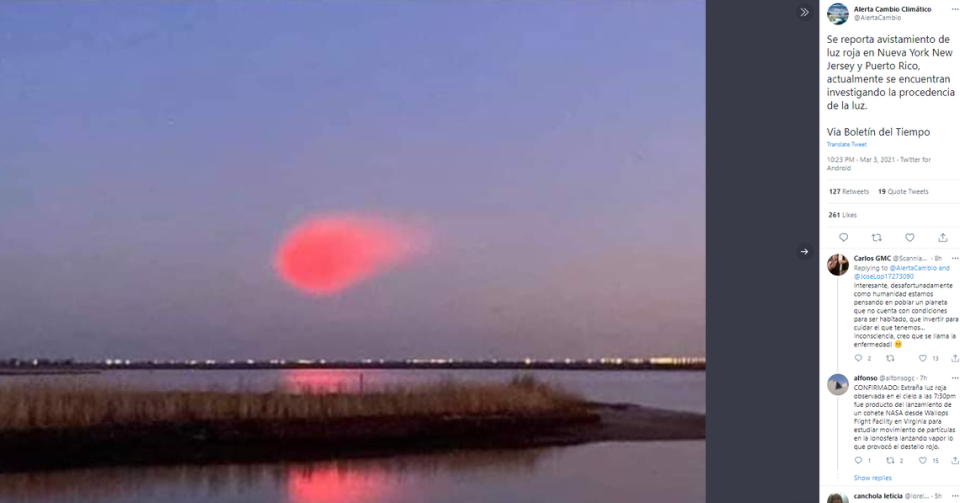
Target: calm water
column 609, row 472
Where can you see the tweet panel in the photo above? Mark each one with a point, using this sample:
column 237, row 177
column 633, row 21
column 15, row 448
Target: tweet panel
column 889, row 187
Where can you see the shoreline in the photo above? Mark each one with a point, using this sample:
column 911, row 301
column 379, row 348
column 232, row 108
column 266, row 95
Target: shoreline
column 47, row 372
column 517, row 365
column 294, row 441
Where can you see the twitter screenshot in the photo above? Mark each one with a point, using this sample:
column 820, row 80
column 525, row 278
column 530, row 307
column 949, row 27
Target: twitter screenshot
column 889, row 228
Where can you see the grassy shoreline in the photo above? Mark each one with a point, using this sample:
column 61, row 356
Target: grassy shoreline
column 45, row 407
column 45, row 428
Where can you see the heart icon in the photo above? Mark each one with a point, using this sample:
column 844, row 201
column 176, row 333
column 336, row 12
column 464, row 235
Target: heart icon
column 923, row 460
column 858, row 357
column 909, row 236
column 844, row 236
column 858, row 459
column 923, row 358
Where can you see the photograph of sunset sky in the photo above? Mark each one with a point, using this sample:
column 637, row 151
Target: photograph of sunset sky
column 352, row 251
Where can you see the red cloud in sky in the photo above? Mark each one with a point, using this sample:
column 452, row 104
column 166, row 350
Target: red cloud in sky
column 328, row 254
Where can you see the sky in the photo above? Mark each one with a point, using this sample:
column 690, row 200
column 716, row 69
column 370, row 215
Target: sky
column 154, row 155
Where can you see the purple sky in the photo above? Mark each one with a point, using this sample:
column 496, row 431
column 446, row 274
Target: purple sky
column 153, row 154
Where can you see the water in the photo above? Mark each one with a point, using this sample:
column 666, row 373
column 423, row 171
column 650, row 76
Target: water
column 608, row 472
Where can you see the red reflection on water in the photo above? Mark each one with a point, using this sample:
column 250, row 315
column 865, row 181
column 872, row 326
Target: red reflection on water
column 321, row 381
column 330, row 485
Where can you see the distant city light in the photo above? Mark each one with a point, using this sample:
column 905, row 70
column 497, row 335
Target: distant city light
column 608, row 362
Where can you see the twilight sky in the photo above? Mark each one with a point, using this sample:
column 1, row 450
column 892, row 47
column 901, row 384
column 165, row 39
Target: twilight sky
column 153, row 155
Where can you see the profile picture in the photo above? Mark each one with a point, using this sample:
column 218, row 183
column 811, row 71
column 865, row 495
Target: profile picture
column 838, row 265
column 838, row 13
column 837, row 498
column 838, row 384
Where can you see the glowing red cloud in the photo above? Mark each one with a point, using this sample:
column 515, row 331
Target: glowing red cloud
column 329, row 254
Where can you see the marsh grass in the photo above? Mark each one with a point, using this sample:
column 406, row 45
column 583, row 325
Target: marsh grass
column 44, row 407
